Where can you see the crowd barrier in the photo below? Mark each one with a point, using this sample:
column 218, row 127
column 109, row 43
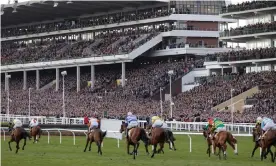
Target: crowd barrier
column 116, row 134
column 238, row 128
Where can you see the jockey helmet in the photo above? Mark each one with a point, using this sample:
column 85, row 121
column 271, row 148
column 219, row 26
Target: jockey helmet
column 129, row 114
column 259, row 119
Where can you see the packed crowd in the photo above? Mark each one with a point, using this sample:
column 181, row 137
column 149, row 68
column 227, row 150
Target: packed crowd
column 115, row 18
column 102, row 45
column 265, row 103
column 136, row 95
column 248, row 5
column 106, row 96
column 251, row 29
column 258, row 53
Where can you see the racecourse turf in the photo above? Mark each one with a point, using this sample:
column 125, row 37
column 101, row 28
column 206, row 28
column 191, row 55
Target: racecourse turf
column 67, row 154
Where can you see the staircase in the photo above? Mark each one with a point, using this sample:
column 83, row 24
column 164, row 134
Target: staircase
column 238, row 101
column 49, row 85
column 145, row 47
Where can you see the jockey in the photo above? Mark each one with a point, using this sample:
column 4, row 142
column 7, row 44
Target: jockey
column 210, row 123
column 259, row 121
column 17, row 123
column 131, row 121
column 218, row 126
column 93, row 123
column 33, row 123
column 157, row 122
column 266, row 124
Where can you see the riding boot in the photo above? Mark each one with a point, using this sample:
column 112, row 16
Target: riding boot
column 167, row 135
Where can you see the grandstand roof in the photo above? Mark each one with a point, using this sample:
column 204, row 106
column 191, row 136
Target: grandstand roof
column 30, row 11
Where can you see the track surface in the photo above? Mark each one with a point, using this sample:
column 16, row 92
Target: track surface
column 67, row 154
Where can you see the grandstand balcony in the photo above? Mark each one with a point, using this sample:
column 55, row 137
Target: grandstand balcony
column 248, row 9
column 244, row 34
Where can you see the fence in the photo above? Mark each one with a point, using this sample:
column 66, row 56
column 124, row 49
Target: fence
column 239, row 128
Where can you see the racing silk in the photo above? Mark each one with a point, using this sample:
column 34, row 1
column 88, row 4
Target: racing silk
column 154, row 118
column 217, row 123
column 131, row 118
column 17, row 123
column 93, row 120
column 266, row 121
column 33, row 123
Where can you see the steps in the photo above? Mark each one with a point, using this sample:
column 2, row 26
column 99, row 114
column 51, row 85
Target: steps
column 49, row 85
column 238, row 101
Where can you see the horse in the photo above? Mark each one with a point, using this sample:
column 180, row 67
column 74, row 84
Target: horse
column 158, row 136
column 169, row 136
column 134, row 136
column 16, row 136
column 34, row 132
column 268, row 140
column 220, row 141
column 97, row 136
column 209, row 141
column 257, row 133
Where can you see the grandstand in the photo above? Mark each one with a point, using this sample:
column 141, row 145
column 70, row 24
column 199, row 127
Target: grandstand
column 117, row 59
column 259, row 35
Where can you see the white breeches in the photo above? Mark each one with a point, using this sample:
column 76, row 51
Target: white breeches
column 132, row 124
column 94, row 124
column 268, row 126
column 33, row 124
column 158, row 124
column 219, row 129
column 17, row 124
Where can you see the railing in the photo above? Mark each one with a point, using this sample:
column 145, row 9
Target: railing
column 239, row 128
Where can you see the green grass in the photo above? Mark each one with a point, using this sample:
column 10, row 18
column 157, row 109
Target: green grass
column 67, row 154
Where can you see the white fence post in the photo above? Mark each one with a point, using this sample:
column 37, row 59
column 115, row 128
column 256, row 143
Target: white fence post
column 190, row 142
column 48, row 136
column 59, row 137
column 74, row 137
column 4, row 134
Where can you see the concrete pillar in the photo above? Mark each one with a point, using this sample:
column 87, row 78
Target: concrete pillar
column 78, row 78
column 209, row 72
column 92, row 76
column 256, row 68
column 24, row 80
column 269, row 67
column 57, row 79
column 6, row 82
column 37, row 79
column 123, row 74
column 222, row 70
column 234, row 69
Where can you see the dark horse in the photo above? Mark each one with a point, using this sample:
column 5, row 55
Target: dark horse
column 169, row 136
column 134, row 136
column 268, row 140
column 36, row 132
column 257, row 133
column 16, row 136
column 97, row 136
column 158, row 136
column 220, row 141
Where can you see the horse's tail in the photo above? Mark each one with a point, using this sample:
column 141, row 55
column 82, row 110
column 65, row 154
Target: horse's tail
column 144, row 136
column 231, row 138
column 104, row 134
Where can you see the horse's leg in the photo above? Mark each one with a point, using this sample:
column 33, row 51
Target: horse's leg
column 17, row 146
column 87, row 141
column 269, row 150
column 128, row 148
column 209, row 150
column 24, row 143
column 134, row 150
column 90, row 145
column 224, row 147
column 147, row 149
column 263, row 153
column 11, row 140
column 256, row 147
column 154, row 150
column 99, row 148
column 161, row 147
